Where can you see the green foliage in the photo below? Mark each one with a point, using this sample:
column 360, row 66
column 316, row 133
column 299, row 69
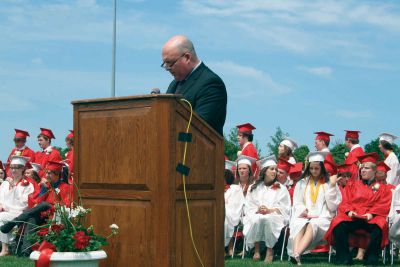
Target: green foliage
column 62, row 151
column 231, row 144
column 373, row 146
column 301, row 153
column 276, row 139
column 338, row 152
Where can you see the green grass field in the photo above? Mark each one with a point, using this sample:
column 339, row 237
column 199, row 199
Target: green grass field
column 12, row 261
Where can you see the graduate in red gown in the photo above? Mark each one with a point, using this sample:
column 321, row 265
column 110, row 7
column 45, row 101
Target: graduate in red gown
column 245, row 138
column 381, row 174
column 322, row 141
column 352, row 143
column 365, row 206
column 69, row 156
column 48, row 153
column 20, row 148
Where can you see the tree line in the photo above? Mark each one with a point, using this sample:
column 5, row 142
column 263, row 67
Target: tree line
column 338, row 149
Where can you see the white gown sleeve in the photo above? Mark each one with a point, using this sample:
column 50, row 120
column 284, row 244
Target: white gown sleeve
column 283, row 203
column 333, row 197
column 298, row 198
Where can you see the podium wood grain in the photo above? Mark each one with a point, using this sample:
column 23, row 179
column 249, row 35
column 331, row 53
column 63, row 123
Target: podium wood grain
column 126, row 152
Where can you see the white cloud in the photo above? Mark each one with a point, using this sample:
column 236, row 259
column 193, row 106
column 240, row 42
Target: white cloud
column 14, row 102
column 247, row 81
column 319, row 71
column 351, row 114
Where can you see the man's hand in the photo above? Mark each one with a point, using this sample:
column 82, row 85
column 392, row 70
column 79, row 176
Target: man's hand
column 351, row 214
column 368, row 216
column 333, row 180
column 304, row 214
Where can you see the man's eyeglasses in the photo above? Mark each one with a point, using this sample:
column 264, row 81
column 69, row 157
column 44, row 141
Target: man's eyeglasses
column 168, row 66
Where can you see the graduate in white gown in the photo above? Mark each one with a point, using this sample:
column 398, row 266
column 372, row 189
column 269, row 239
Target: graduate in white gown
column 394, row 217
column 267, row 209
column 244, row 172
column 386, row 141
column 234, row 201
column 13, row 197
column 315, row 201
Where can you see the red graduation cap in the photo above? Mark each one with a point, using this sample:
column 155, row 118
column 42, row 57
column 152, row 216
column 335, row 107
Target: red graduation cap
column 344, row 168
column 47, row 132
column 352, row 134
column 54, row 166
column 382, row 167
column 323, row 136
column 247, row 127
column 71, row 134
column 330, row 167
column 284, row 165
column 370, row 157
column 296, row 171
column 21, row 133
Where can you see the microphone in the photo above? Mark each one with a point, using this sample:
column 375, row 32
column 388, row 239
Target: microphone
column 155, row 91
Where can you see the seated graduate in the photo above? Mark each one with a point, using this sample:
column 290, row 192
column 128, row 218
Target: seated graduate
column 315, row 201
column 2, row 172
column 52, row 191
column 234, row 201
column 394, row 217
column 244, row 172
column 267, row 209
column 365, row 206
column 14, row 194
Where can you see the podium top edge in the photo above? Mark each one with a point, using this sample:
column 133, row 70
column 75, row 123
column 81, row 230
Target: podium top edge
column 119, row 98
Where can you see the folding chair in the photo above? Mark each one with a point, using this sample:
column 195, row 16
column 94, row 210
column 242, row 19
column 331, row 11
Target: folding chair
column 238, row 234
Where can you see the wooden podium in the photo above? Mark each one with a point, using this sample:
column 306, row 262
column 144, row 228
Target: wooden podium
column 126, row 153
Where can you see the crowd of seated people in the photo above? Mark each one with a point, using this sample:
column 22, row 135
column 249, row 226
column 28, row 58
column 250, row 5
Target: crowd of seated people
column 321, row 204
column 31, row 184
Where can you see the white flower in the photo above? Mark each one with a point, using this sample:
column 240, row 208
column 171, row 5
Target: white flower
column 376, row 187
column 114, row 226
column 346, row 154
column 57, row 190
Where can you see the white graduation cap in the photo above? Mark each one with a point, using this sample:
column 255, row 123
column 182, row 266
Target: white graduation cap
column 290, row 143
column 19, row 160
column 242, row 159
column 387, row 137
column 266, row 162
column 317, row 156
column 36, row 167
column 229, row 165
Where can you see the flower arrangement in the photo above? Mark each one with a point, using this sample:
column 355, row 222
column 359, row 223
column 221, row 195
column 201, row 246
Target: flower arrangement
column 66, row 232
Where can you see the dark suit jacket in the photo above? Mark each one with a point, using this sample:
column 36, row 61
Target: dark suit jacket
column 207, row 93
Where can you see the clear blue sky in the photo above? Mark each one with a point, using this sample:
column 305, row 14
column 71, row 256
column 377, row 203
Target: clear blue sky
column 301, row 65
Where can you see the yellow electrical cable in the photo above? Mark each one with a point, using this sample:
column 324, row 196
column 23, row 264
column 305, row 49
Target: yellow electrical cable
column 184, row 185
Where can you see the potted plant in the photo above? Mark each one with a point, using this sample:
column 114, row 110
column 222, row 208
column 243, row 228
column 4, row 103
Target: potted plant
column 65, row 238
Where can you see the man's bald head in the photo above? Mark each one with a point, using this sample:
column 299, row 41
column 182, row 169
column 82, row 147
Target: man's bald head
column 181, row 44
column 179, row 56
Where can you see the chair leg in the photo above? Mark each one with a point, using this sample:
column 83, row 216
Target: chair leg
column 384, row 255
column 283, row 243
column 330, row 254
column 244, row 247
column 234, row 242
column 19, row 240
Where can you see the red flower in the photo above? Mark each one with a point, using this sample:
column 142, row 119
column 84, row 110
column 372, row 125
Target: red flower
column 43, row 232
column 227, row 186
column 275, row 186
column 56, row 228
column 35, row 246
column 81, row 240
